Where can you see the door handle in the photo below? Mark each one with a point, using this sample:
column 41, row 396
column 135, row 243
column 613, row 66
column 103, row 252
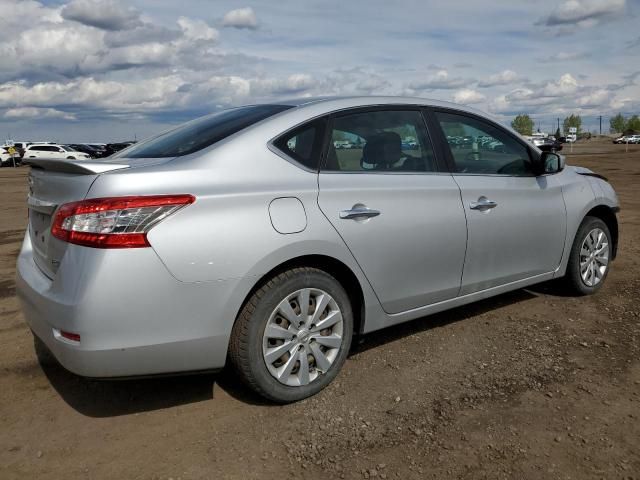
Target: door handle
column 483, row 203
column 358, row 212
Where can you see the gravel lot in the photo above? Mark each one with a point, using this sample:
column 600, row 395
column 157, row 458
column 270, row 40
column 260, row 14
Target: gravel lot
column 525, row 385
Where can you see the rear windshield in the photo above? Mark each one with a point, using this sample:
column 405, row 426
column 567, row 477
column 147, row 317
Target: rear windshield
column 200, row 133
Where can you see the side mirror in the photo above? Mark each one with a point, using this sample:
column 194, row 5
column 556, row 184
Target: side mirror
column 551, row 163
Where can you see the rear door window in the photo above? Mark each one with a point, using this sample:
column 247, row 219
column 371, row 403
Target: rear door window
column 380, row 141
column 200, row 133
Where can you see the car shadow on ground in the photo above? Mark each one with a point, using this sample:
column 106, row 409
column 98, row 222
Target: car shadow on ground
column 437, row 320
column 111, row 398
column 99, row 398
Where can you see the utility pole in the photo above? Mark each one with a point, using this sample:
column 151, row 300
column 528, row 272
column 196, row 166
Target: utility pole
column 559, row 124
column 600, row 124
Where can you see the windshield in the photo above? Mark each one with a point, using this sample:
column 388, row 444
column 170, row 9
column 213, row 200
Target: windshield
column 200, row 133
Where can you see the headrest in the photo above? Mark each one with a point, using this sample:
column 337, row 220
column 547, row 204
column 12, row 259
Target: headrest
column 382, row 149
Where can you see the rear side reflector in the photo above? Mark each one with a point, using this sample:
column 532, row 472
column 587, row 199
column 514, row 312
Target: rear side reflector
column 117, row 222
column 75, row 337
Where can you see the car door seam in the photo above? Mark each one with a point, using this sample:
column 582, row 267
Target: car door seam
column 466, row 244
column 346, row 245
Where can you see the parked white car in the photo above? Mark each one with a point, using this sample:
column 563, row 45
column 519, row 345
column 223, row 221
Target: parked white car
column 51, row 150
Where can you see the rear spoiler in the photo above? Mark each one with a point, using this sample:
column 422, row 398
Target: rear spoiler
column 73, row 166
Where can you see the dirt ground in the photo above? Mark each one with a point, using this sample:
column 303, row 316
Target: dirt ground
column 526, row 385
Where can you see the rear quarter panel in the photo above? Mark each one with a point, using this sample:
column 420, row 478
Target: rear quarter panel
column 227, row 233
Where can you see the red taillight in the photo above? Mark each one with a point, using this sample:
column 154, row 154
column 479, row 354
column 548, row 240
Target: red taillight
column 119, row 222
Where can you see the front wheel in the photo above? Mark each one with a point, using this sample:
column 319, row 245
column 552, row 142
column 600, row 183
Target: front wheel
column 293, row 335
column 589, row 258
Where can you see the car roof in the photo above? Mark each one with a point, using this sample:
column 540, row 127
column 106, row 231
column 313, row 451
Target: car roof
column 315, row 106
column 372, row 100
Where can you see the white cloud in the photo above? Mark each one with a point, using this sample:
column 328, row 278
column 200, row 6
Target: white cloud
column 60, row 47
column 142, row 95
column 562, row 96
column 584, row 13
column 467, row 96
column 104, row 14
column 241, row 18
column 197, row 29
column 295, row 84
column 505, row 77
column 99, row 59
column 441, row 80
column 72, row 49
column 565, row 57
column 595, row 99
column 564, row 86
column 37, row 113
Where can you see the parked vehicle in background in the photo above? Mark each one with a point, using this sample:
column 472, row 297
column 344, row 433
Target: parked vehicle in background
column 547, row 144
column 247, row 235
column 111, row 148
column 100, row 149
column 48, row 150
column 622, row 139
column 79, row 147
column 635, row 139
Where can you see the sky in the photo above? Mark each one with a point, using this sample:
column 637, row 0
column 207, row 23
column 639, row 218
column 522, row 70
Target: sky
column 114, row 70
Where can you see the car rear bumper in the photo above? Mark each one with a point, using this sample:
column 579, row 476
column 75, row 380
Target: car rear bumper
column 132, row 316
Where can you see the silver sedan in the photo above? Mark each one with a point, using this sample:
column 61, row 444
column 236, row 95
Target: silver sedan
column 269, row 235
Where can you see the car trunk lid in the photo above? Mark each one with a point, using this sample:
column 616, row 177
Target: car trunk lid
column 53, row 183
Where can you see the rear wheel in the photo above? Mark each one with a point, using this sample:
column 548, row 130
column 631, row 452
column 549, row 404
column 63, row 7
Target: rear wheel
column 293, row 335
column 589, row 258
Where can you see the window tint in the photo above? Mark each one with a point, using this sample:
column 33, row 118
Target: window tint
column 482, row 148
column 200, row 133
column 385, row 140
column 303, row 144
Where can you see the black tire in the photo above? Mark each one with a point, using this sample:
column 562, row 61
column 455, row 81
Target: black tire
column 246, row 344
column 71, row 158
column 573, row 279
column 45, row 357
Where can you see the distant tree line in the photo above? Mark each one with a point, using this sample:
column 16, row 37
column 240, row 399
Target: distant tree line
column 523, row 124
column 626, row 126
